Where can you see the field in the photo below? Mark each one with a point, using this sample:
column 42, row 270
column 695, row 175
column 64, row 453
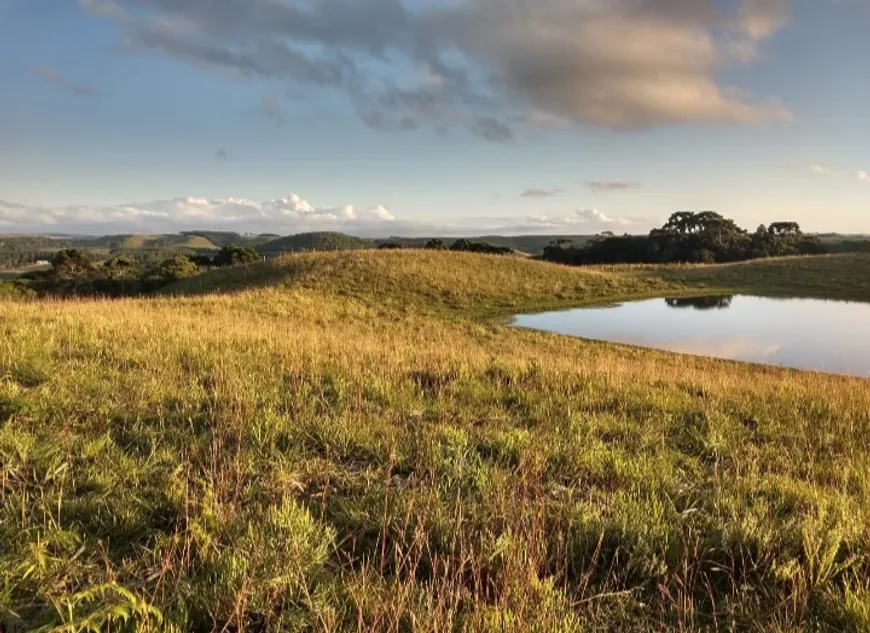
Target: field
column 356, row 442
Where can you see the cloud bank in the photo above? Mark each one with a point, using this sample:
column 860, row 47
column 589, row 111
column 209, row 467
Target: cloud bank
column 493, row 67
column 284, row 216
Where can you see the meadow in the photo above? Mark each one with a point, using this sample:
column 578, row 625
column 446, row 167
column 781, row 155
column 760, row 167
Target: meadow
column 359, row 442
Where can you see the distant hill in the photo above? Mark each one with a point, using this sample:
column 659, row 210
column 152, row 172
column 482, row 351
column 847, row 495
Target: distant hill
column 20, row 243
column 326, row 241
column 150, row 242
column 230, row 238
column 436, row 279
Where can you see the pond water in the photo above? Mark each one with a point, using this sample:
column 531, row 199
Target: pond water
column 827, row 336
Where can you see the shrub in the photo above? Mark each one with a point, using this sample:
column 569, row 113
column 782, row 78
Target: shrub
column 235, row 255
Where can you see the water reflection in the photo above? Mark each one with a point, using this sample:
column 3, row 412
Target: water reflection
column 714, row 302
column 830, row 336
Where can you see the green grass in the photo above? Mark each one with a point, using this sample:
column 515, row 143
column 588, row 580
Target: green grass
column 135, row 242
column 461, row 284
column 198, row 242
column 353, row 442
column 830, row 276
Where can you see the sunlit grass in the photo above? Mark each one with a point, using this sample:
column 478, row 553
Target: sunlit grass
column 343, row 443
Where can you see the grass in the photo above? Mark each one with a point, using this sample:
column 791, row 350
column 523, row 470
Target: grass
column 828, row 277
column 353, row 442
column 134, row 242
column 448, row 284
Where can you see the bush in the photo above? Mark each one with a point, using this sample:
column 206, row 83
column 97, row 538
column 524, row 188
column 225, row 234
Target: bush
column 436, row 245
column 479, row 247
column 71, row 263
column 170, row 271
column 235, row 255
column 14, row 289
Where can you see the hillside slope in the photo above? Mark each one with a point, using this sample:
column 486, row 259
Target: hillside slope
column 324, row 241
column 845, row 276
column 136, row 242
column 435, row 279
column 494, row 284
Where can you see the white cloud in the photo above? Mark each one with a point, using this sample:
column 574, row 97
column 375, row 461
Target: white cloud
column 823, row 170
column 488, row 66
column 292, row 214
column 283, row 214
column 858, row 175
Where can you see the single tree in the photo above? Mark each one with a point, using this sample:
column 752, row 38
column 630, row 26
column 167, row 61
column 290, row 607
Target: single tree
column 235, row 255
column 72, row 263
column 436, row 245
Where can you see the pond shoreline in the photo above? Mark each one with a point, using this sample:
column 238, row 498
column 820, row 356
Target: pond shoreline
column 821, row 335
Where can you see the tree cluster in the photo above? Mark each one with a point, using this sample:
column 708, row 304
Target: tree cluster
column 460, row 245
column 74, row 273
column 704, row 237
column 468, row 246
column 18, row 259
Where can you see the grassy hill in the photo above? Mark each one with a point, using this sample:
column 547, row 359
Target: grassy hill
column 323, row 241
column 135, row 242
column 354, row 442
column 230, row 238
column 826, row 276
column 461, row 283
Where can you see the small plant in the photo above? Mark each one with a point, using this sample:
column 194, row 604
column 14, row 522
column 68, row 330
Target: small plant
column 101, row 608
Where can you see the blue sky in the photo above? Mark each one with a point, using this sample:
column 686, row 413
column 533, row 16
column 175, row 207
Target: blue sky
column 384, row 117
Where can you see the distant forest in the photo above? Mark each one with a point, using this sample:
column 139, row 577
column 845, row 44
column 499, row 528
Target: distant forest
column 74, row 272
column 704, row 237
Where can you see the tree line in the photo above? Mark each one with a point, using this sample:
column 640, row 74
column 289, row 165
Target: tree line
column 74, row 272
column 460, row 245
column 705, row 237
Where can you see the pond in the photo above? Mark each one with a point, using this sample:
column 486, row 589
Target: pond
column 813, row 334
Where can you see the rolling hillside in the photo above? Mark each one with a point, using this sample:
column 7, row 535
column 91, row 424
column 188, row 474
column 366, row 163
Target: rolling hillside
column 231, row 238
column 346, row 442
column 135, row 242
column 324, row 241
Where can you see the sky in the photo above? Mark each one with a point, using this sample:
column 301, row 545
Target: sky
column 422, row 117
